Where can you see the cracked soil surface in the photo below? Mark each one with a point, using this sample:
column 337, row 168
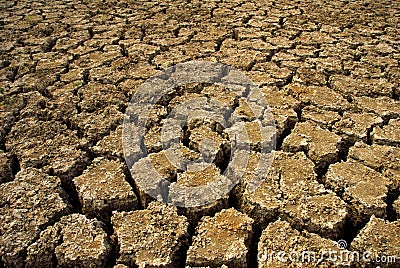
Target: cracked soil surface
column 329, row 71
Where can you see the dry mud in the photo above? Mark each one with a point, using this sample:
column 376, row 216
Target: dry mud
column 329, row 71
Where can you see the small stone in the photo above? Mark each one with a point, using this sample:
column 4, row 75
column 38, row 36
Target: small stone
column 152, row 140
column 322, row 97
column 325, row 214
column 95, row 59
column 379, row 238
column 281, row 245
column 322, row 146
column 224, row 239
column 325, row 119
column 378, row 157
column 385, row 107
column 49, row 145
column 202, row 178
column 264, row 203
column 97, row 125
column 221, row 94
column 284, row 119
column 363, row 188
column 279, row 99
column 95, row 96
column 347, row 85
column 102, row 188
column 357, row 125
column 163, row 165
column 111, row 145
column 73, row 241
column 309, row 76
column 242, row 60
column 210, row 143
column 389, row 134
column 155, row 237
column 30, row 202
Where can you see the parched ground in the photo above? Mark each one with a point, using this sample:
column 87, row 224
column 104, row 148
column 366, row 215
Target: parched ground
column 329, row 71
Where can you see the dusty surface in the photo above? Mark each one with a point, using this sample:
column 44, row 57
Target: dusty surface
column 102, row 188
column 73, row 241
column 320, row 145
column 380, row 238
column 280, row 237
column 222, row 240
column 328, row 70
column 292, row 192
column 29, row 203
column 364, row 189
column 153, row 237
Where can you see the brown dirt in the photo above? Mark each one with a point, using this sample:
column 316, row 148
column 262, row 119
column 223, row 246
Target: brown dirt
column 329, row 71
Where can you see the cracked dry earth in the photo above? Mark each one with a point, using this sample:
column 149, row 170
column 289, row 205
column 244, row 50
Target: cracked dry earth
column 329, row 71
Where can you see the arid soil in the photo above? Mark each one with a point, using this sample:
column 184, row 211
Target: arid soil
column 329, row 71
